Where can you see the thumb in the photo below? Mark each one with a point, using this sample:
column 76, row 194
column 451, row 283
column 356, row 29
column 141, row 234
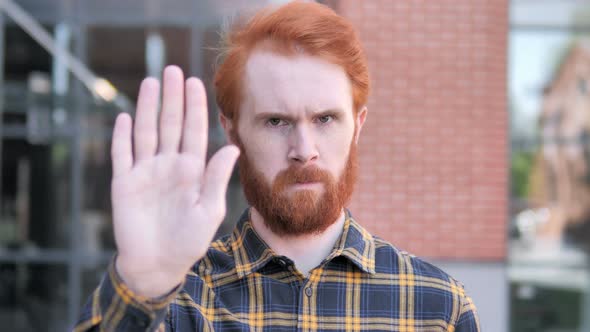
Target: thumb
column 217, row 175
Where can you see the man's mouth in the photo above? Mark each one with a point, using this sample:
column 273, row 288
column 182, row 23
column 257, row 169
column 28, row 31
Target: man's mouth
column 305, row 185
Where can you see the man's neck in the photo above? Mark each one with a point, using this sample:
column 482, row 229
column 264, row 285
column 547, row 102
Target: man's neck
column 307, row 251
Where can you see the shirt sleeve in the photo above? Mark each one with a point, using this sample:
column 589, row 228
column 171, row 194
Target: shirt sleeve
column 468, row 320
column 114, row 307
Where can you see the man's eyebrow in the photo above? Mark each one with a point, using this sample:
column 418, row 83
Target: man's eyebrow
column 269, row 115
column 330, row 111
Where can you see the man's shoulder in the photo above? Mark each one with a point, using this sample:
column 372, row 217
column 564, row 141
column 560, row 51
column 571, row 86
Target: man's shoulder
column 428, row 281
column 390, row 259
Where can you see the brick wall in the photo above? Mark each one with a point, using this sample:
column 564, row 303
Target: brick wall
column 434, row 148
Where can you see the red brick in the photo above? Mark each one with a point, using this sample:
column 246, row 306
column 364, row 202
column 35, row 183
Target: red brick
column 433, row 151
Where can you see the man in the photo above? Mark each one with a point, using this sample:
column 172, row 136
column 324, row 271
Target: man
column 292, row 91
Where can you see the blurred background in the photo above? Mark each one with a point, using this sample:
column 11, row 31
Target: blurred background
column 475, row 154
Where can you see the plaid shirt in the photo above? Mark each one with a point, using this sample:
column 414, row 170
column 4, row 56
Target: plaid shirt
column 365, row 284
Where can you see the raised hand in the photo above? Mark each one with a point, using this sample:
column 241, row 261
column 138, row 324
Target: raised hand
column 167, row 203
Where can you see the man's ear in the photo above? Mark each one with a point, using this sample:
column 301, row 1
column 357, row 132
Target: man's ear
column 359, row 121
column 227, row 125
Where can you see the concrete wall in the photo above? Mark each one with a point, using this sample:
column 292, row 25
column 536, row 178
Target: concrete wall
column 487, row 284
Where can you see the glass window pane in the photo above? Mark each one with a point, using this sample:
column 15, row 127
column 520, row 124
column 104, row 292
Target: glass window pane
column 550, row 190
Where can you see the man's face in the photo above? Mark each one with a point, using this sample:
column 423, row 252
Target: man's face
column 298, row 134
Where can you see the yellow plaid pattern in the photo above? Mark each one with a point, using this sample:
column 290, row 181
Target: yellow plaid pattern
column 365, row 284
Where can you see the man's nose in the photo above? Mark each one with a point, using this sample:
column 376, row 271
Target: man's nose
column 303, row 148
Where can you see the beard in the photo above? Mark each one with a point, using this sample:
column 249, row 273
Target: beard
column 303, row 211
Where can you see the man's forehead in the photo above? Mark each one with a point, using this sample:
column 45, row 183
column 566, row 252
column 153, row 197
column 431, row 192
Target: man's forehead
column 300, row 81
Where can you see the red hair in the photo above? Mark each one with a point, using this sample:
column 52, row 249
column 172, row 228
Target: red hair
column 297, row 26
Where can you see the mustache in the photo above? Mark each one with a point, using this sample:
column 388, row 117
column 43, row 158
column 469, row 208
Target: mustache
column 298, row 174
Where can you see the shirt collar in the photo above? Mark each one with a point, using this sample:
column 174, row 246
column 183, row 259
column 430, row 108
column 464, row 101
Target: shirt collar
column 252, row 253
column 356, row 244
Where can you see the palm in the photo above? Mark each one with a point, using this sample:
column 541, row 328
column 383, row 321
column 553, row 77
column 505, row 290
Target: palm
column 167, row 204
column 156, row 202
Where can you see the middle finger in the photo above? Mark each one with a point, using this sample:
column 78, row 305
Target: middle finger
column 172, row 109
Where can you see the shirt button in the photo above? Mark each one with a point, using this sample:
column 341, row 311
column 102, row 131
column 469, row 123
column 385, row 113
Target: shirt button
column 308, row 291
column 281, row 262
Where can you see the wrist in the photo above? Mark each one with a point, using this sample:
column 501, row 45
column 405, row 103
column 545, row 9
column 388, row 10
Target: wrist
column 149, row 283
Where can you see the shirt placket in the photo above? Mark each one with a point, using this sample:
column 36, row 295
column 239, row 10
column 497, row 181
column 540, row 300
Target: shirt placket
column 307, row 314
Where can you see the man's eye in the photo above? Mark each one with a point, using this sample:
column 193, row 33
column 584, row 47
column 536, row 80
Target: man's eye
column 325, row 118
column 275, row 122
